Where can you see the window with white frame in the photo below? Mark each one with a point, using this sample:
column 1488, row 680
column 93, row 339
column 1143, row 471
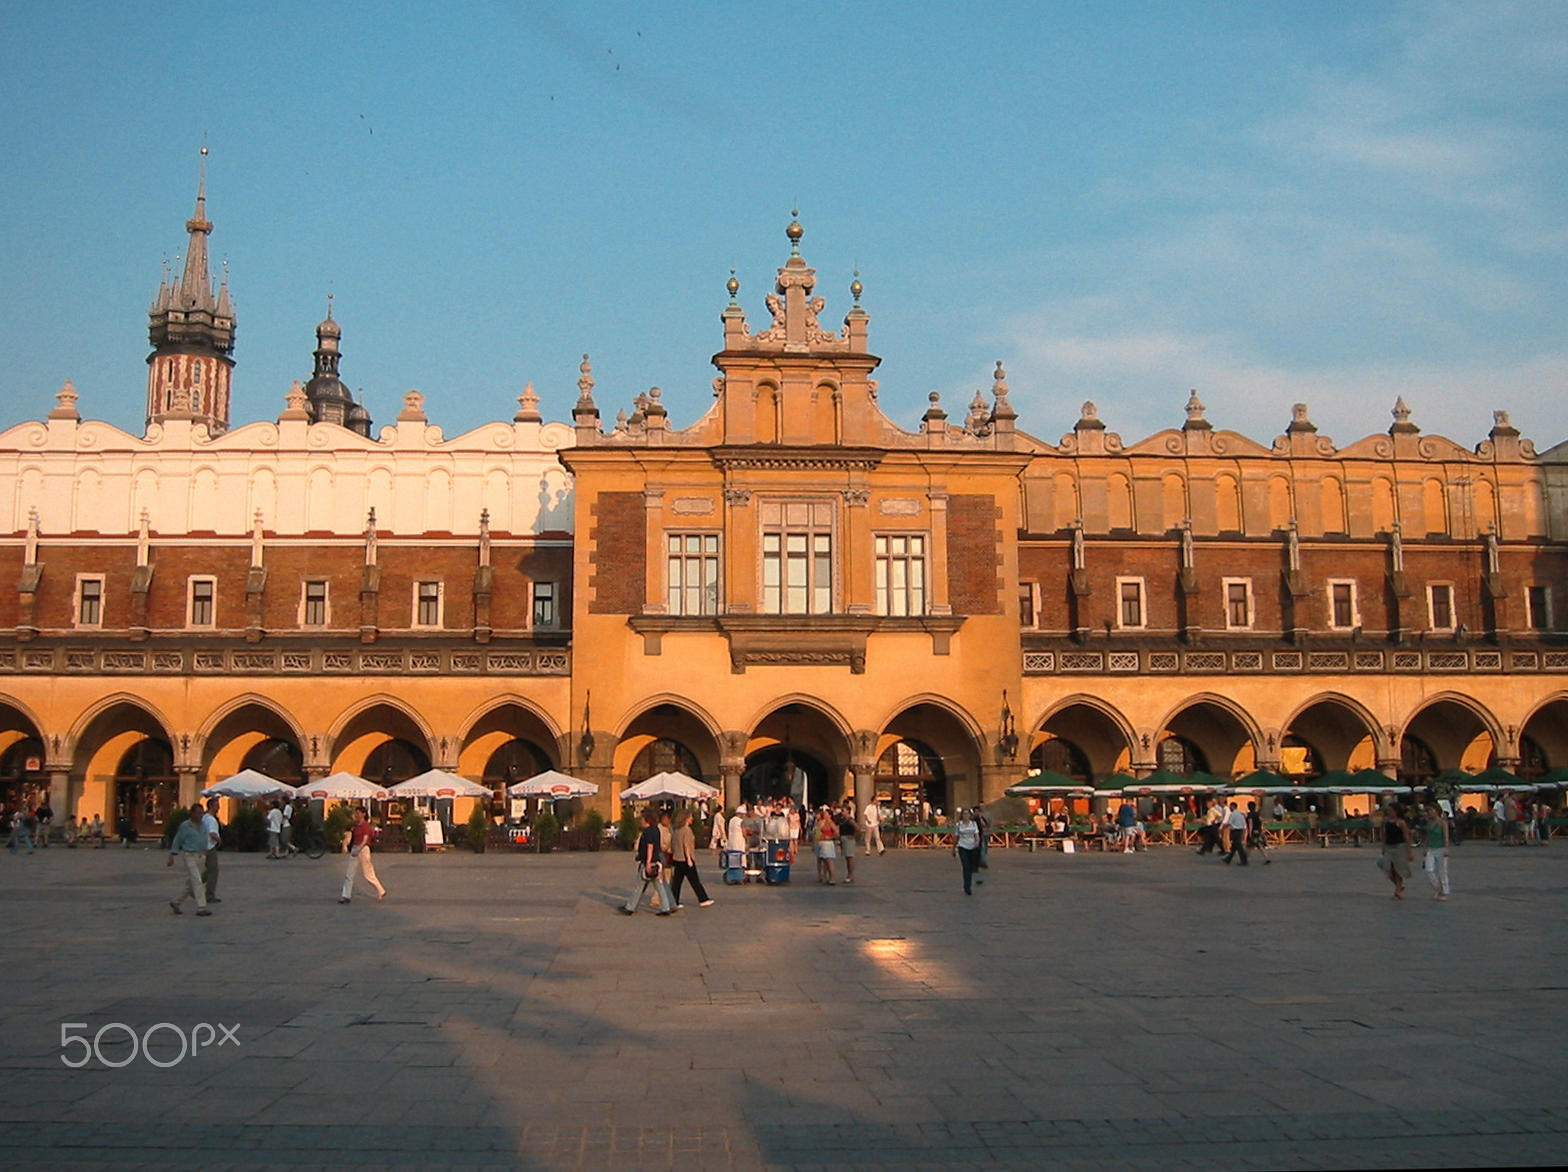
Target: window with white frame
column 1130, row 610
column 313, row 603
column 1028, row 604
column 1538, row 600
column 797, row 557
column 692, row 573
column 544, row 610
column 1239, row 615
column 1343, row 613
column 1440, row 606
column 901, row 573
column 427, row 604
column 201, row 602
column 89, row 600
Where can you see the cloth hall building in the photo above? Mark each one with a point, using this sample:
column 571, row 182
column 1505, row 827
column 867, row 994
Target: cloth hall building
column 792, row 591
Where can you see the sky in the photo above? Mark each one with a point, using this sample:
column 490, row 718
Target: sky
column 1335, row 204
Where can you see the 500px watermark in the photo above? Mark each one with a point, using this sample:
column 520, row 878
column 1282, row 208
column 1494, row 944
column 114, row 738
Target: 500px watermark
column 163, row 1044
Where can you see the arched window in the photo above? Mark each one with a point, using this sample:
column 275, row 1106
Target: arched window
column 1298, row 760
column 1532, row 758
column 1417, row 762
column 279, row 759
column 1179, row 755
column 515, row 761
column 912, row 777
column 145, row 786
column 393, row 761
column 1060, row 755
column 663, row 756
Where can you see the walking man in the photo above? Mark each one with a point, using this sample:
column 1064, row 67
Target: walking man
column 359, row 861
column 190, row 847
column 683, row 848
column 1236, row 823
column 214, row 833
column 873, row 820
column 274, row 829
column 650, row 870
column 286, row 847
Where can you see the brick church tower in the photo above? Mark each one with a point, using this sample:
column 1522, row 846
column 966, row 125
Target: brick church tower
column 192, row 336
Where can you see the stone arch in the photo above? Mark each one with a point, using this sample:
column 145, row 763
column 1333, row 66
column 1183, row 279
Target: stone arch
column 1341, row 730
column 364, row 726
column 1118, row 502
column 804, row 734
column 19, row 732
column 828, row 420
column 1547, row 726
column 1221, row 729
column 951, row 733
column 99, row 743
column 1461, row 732
column 1173, row 500
column 671, row 718
column 1095, row 726
column 498, row 723
column 237, row 726
column 1332, row 504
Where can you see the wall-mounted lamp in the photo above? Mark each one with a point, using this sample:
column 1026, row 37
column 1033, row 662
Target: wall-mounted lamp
column 1008, row 741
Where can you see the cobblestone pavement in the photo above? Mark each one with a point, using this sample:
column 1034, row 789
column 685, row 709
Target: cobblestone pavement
column 1154, row 1010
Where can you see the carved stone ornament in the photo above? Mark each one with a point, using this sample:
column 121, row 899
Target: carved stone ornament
column 694, row 506
column 737, row 496
column 899, row 506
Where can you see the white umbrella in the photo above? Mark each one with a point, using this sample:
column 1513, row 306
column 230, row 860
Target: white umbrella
column 668, row 785
column 551, row 784
column 248, row 783
column 437, row 783
column 342, row 785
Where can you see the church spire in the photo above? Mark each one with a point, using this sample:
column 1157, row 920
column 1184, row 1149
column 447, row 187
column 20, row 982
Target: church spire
column 192, row 335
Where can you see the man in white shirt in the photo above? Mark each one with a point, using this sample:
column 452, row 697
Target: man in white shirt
column 209, row 824
column 274, row 830
column 1236, row 823
column 873, row 820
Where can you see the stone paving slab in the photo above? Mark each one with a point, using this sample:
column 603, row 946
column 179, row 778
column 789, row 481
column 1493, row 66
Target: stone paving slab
column 1156, row 1010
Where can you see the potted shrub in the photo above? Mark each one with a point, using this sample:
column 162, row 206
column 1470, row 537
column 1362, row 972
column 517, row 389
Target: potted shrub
column 546, row 831
column 478, row 829
column 414, row 831
column 336, row 826
column 593, row 827
column 627, row 830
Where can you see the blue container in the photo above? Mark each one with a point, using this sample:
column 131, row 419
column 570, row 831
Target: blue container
column 776, row 873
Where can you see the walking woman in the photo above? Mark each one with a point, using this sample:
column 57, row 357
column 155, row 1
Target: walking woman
column 683, row 849
column 1437, row 850
column 1398, row 851
column 360, row 836
column 825, row 835
column 966, row 845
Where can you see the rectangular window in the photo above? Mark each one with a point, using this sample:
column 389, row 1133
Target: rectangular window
column 1129, row 603
column 1238, row 604
column 1028, row 605
column 901, row 574
column 1440, row 605
column 313, row 605
column 201, row 605
column 1342, row 613
column 427, row 604
column 692, row 573
column 1539, row 601
column 797, row 557
column 89, row 601
column 544, row 604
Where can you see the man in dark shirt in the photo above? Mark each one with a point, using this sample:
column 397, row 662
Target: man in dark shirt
column 650, row 868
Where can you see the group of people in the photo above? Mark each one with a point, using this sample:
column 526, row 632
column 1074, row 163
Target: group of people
column 1231, row 831
column 197, row 840
column 1420, row 833
column 666, row 847
column 1521, row 822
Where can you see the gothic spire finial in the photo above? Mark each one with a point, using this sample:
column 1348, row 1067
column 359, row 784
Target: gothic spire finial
column 794, row 232
column 856, row 288
column 733, row 286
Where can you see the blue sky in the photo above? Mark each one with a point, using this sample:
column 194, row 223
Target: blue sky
column 1270, row 203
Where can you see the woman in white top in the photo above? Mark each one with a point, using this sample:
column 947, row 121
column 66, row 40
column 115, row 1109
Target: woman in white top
column 966, row 845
